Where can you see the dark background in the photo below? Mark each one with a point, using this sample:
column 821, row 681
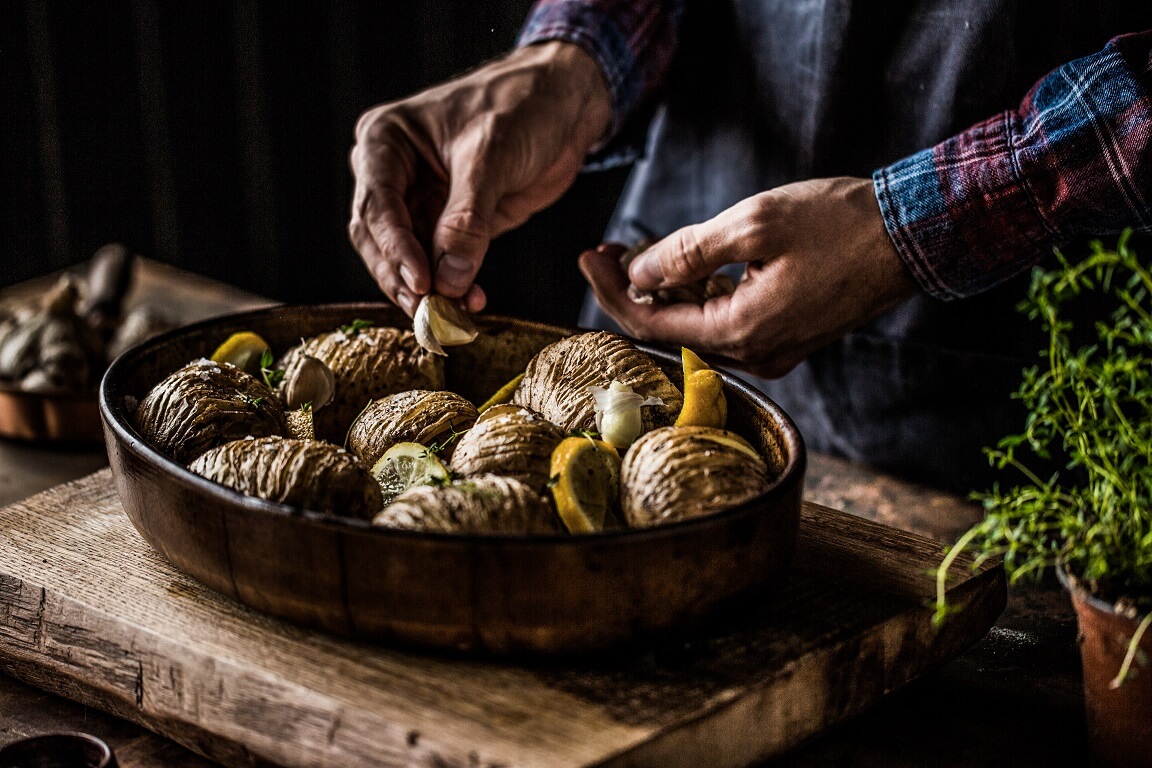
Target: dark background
column 214, row 136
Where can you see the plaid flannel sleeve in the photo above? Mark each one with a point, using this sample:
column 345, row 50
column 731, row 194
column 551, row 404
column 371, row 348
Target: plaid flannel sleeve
column 1075, row 158
column 632, row 40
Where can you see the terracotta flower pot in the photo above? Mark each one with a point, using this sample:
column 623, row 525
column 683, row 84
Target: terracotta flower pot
column 1119, row 718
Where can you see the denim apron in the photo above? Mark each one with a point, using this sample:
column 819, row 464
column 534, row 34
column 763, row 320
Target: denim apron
column 765, row 92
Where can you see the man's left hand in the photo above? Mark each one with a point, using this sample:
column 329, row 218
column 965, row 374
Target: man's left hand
column 819, row 263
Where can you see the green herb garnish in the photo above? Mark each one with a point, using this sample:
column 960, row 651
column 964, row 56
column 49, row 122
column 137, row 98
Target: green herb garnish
column 591, row 434
column 439, row 446
column 355, row 327
column 254, row 402
column 1091, row 406
column 272, row 376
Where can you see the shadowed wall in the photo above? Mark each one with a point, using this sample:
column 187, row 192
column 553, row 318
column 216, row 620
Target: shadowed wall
column 215, row 135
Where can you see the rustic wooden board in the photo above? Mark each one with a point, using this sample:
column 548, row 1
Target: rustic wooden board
column 89, row 611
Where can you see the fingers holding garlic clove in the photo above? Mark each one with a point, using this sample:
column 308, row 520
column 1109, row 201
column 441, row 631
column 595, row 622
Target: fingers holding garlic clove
column 711, row 287
column 440, row 322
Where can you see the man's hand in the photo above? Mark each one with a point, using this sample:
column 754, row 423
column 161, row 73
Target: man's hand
column 441, row 173
column 819, row 263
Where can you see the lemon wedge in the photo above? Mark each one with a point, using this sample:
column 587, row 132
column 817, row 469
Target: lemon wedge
column 585, row 482
column 503, row 395
column 704, row 402
column 243, row 350
column 405, row 465
column 692, row 362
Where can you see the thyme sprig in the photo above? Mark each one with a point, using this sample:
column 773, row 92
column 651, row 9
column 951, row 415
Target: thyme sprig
column 354, row 327
column 272, row 376
column 438, row 446
column 1092, row 407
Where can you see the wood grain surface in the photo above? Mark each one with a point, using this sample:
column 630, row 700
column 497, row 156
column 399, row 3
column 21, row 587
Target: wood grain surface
column 87, row 610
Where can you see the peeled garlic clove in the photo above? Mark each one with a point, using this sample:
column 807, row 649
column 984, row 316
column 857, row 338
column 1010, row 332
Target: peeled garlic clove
column 440, row 322
column 311, row 383
column 556, row 381
column 618, row 413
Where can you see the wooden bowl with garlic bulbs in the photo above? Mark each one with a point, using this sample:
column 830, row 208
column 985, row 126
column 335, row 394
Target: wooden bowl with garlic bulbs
column 536, row 490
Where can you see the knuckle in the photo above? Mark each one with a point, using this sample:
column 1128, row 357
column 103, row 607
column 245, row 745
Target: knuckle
column 687, row 260
column 464, row 227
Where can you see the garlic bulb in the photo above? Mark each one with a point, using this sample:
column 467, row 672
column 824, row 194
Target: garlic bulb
column 440, row 322
column 717, row 284
column 618, row 417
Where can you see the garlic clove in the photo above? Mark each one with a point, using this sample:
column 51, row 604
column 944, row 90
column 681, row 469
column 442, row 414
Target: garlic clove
column 422, row 327
column 312, row 383
column 618, row 418
column 440, row 322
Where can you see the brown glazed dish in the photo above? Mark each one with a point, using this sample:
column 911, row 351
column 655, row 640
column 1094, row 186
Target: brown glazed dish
column 51, row 417
column 485, row 593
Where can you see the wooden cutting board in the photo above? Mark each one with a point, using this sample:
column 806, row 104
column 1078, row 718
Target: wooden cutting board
column 89, row 611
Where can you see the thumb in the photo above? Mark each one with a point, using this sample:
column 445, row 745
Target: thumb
column 462, row 234
column 685, row 256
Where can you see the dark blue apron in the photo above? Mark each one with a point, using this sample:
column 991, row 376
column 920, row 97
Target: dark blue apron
column 764, row 93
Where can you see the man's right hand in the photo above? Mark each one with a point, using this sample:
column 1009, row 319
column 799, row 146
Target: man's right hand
column 441, row 173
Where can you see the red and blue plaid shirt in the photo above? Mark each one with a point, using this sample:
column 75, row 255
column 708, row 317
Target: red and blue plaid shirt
column 1074, row 159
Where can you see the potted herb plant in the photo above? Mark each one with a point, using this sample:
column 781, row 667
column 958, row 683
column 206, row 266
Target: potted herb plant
column 1090, row 409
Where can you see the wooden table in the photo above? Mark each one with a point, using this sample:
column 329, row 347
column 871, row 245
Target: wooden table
column 1014, row 699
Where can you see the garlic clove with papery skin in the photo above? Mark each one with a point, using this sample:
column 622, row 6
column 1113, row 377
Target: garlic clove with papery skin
column 618, row 413
column 440, row 322
column 312, row 383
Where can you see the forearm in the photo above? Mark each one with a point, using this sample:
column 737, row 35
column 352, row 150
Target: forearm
column 1075, row 158
column 632, row 41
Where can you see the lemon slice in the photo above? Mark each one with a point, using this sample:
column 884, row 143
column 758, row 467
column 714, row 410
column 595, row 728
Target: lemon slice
column 503, row 395
column 405, row 465
column 704, row 402
column 585, row 482
column 243, row 350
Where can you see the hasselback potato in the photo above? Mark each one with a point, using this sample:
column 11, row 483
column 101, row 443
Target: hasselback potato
column 206, row 404
column 673, row 473
column 417, row 416
column 556, row 381
column 310, row 474
column 513, row 442
column 481, row 504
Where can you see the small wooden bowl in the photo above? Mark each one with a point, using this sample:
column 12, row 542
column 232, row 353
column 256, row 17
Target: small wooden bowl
column 50, row 417
column 491, row 593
